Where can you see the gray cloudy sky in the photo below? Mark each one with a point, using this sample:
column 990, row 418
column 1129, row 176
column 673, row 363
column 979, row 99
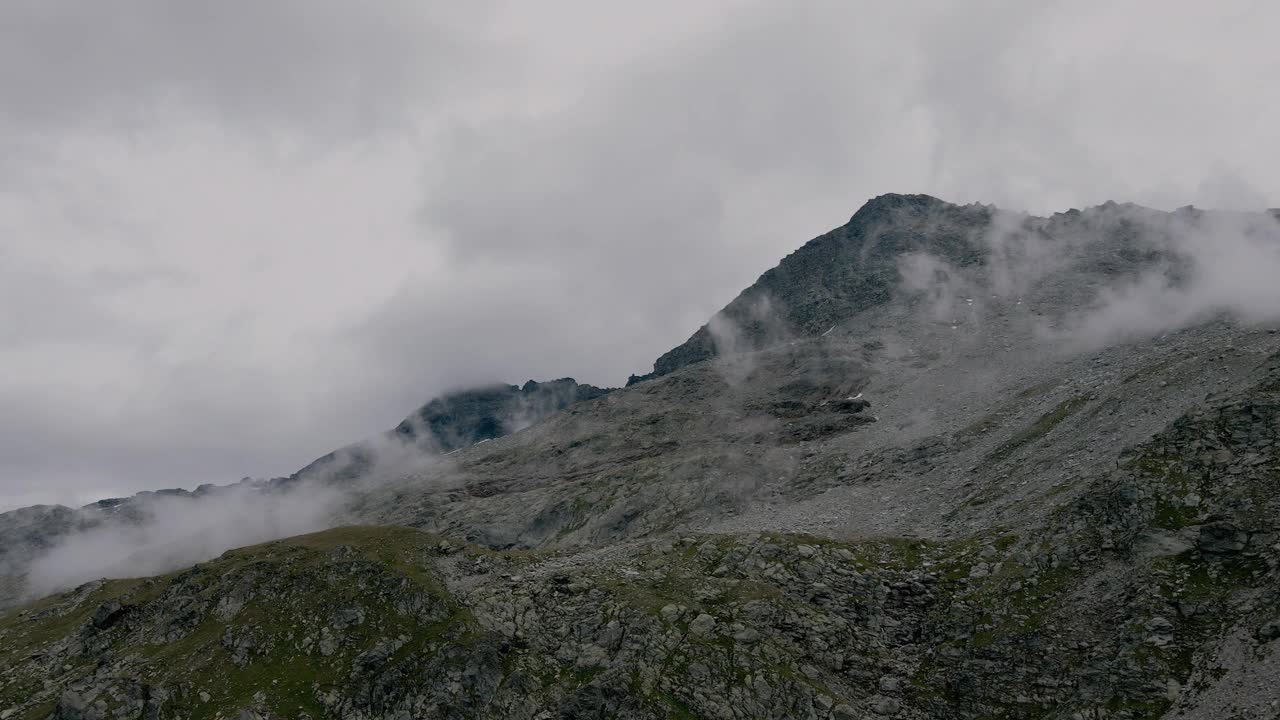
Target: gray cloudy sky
column 236, row 235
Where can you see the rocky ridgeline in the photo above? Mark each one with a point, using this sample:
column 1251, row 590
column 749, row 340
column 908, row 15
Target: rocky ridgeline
column 1055, row 263
column 451, row 422
column 704, row 440
column 837, row 275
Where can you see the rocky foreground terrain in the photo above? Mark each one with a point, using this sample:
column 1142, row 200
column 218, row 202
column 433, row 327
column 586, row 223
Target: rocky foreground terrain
column 942, row 462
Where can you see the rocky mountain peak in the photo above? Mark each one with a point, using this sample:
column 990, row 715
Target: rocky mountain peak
column 835, row 276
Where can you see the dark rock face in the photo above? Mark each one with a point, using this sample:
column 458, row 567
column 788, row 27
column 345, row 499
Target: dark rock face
column 859, row 267
column 31, row 528
column 107, row 614
column 27, row 532
column 839, row 274
column 458, row 420
column 1221, row 537
column 471, row 416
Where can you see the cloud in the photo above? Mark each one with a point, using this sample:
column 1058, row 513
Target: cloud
column 326, row 66
column 1048, row 106
column 233, row 238
column 1214, row 264
column 173, row 532
column 1114, row 273
column 151, row 534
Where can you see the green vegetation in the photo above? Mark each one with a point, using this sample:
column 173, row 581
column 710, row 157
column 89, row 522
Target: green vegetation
column 1148, row 372
column 1036, row 390
column 289, row 590
column 1041, row 427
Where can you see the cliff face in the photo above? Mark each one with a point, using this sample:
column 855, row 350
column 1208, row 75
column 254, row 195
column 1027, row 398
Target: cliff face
column 468, row 417
column 837, row 275
column 858, row 267
column 933, row 465
column 455, row 421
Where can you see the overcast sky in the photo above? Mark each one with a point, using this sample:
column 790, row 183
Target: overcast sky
column 236, row 235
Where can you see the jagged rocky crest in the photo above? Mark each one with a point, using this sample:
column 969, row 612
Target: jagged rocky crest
column 837, row 275
column 457, row 420
column 930, row 466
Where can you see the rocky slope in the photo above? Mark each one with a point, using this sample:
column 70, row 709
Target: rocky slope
column 1153, row 593
column 928, row 467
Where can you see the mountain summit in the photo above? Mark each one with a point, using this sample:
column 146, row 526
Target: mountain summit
column 835, row 276
column 859, row 266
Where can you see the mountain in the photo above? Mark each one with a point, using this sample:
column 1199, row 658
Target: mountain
column 943, row 462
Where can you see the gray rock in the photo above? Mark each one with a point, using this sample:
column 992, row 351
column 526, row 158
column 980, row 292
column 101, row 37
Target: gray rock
column 107, row 614
column 1156, row 543
column 702, row 625
column 844, row 712
column 1221, row 537
column 884, row 706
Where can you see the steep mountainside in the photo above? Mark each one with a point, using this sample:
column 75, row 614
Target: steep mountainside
column 836, row 275
column 943, row 462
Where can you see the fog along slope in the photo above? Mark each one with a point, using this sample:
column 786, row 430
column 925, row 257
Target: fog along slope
column 51, row 547
column 942, row 462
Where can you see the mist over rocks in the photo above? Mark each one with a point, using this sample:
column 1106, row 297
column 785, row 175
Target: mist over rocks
column 1092, row 277
column 45, row 548
column 907, row 278
column 833, row 277
column 448, row 423
column 464, row 418
column 943, row 462
column 26, row 533
column 156, row 532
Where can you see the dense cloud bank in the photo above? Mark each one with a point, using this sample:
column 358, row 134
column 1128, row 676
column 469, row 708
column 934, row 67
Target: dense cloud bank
column 233, row 241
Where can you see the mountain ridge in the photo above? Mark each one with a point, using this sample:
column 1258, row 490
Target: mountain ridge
column 985, row 489
column 857, row 259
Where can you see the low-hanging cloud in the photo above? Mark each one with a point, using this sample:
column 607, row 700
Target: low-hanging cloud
column 1212, row 264
column 759, row 324
column 1109, row 274
column 153, row 533
column 942, row 290
column 167, row 532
